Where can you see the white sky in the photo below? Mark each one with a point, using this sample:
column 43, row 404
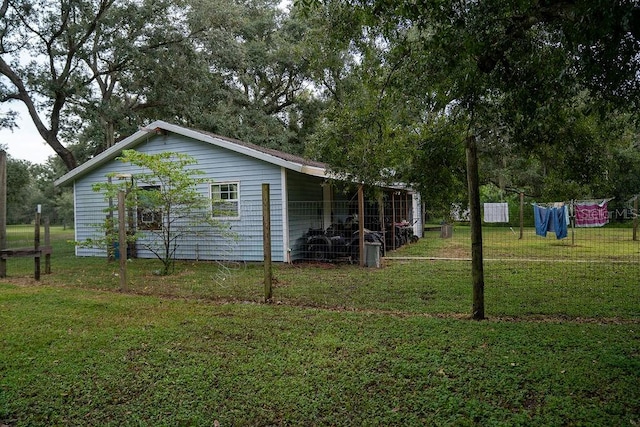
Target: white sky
column 25, row 142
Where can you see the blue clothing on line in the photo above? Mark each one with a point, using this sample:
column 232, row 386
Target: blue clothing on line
column 560, row 225
column 550, row 219
column 541, row 218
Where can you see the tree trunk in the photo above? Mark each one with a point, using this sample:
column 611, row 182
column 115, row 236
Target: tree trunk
column 65, row 155
column 110, row 137
column 50, row 136
column 477, row 270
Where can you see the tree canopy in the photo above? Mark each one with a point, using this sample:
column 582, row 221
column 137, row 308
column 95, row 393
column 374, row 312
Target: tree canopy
column 91, row 71
column 381, row 90
column 548, row 90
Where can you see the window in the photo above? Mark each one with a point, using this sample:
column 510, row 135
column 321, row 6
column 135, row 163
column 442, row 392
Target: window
column 149, row 216
column 225, row 200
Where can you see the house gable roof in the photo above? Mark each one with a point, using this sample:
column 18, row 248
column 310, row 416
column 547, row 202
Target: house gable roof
column 286, row 160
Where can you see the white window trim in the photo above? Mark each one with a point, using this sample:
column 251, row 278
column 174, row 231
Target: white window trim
column 149, row 226
column 226, row 218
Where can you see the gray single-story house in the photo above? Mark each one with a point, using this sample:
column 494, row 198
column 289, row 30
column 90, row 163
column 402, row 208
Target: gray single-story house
column 302, row 194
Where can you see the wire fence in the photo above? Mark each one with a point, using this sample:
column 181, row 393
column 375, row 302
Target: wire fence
column 329, row 232
column 605, row 244
column 582, row 231
column 431, row 274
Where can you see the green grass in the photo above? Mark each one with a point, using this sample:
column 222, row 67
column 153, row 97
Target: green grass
column 420, row 287
column 608, row 243
column 77, row 357
column 340, row 345
column 22, row 236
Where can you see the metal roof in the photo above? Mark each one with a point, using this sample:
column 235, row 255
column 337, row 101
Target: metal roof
column 280, row 158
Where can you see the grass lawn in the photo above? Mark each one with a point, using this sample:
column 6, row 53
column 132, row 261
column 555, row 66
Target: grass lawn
column 340, row 346
column 609, row 243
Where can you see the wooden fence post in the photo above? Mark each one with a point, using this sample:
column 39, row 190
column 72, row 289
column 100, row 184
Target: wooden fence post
column 266, row 242
column 635, row 219
column 122, row 241
column 521, row 215
column 3, row 211
column 47, row 243
column 361, row 224
column 111, row 252
column 36, row 244
column 477, row 268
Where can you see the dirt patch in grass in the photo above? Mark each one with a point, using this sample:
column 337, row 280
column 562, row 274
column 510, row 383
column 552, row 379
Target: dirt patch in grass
column 454, row 250
column 21, row 281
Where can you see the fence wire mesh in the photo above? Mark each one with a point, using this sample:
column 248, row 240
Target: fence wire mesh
column 329, row 232
column 607, row 235
column 429, row 274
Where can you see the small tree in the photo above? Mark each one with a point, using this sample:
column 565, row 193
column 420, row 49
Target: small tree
column 168, row 204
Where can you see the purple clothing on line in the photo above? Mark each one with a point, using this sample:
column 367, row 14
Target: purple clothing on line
column 591, row 214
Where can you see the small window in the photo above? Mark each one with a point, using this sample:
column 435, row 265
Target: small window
column 225, row 200
column 149, row 216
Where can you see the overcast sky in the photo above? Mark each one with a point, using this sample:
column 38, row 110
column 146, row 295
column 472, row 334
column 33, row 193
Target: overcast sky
column 25, row 142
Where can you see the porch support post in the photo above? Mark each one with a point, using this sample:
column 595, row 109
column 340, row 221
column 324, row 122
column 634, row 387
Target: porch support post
column 393, row 220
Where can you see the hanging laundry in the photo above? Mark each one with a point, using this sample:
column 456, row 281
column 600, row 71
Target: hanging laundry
column 561, row 221
column 541, row 216
column 496, row 212
column 591, row 214
column 550, row 220
column 566, row 211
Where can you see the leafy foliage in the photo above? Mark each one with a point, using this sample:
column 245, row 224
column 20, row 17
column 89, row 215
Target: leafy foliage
column 105, row 67
column 528, row 80
column 166, row 187
column 29, row 185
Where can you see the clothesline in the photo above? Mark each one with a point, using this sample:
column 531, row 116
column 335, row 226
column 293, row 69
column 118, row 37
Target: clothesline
column 573, row 202
column 557, row 216
column 592, row 201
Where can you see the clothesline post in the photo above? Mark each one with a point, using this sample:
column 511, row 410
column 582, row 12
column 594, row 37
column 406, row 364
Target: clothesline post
column 521, row 214
column 635, row 219
column 572, row 219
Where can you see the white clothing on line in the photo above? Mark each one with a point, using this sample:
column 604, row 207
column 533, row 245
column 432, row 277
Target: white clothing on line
column 496, row 212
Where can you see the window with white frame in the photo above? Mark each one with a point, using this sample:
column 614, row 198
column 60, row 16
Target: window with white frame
column 149, row 216
column 225, row 200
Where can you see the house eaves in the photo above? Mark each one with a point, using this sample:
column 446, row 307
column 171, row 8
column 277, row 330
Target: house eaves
column 275, row 157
